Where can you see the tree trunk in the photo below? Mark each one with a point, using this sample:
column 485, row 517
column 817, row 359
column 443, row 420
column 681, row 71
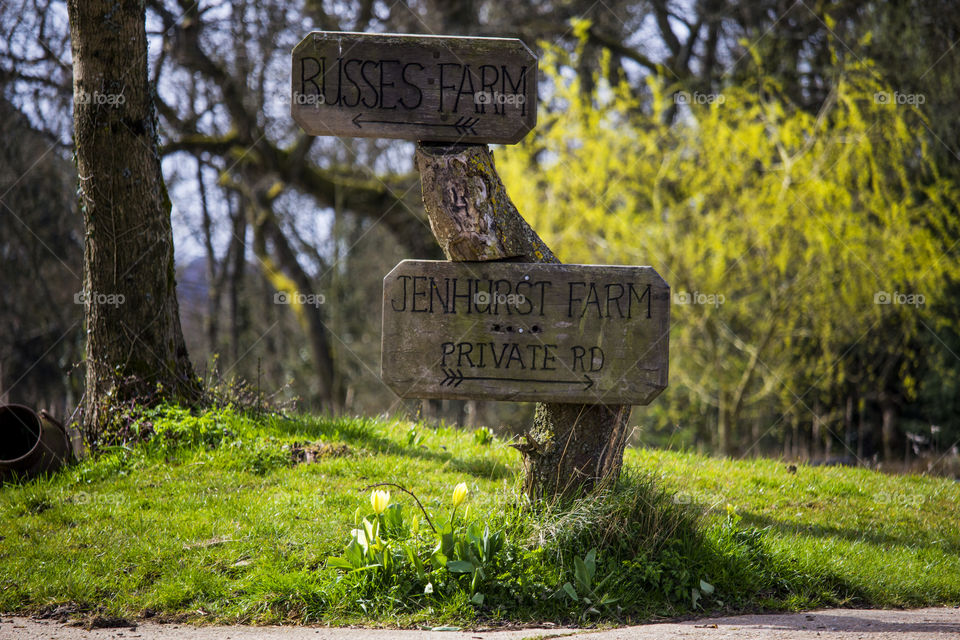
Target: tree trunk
column 724, row 440
column 238, row 272
column 289, row 279
column 861, row 428
column 816, row 436
column 135, row 347
column 570, row 448
column 848, row 425
column 214, row 288
column 888, row 425
column 795, row 437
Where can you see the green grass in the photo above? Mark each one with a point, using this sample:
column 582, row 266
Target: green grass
column 211, row 521
column 887, row 540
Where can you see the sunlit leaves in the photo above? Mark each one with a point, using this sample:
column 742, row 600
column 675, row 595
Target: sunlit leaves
column 796, row 219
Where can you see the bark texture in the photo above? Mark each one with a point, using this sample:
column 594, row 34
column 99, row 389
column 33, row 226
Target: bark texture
column 470, row 213
column 135, row 347
column 571, row 447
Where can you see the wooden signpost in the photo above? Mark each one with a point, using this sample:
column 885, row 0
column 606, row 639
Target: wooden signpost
column 525, row 332
column 504, row 320
column 428, row 88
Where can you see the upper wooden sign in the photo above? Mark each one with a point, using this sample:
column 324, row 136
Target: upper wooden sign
column 528, row 332
column 431, row 88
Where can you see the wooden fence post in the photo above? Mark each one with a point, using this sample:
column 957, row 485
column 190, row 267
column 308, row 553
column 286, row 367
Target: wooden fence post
column 570, row 448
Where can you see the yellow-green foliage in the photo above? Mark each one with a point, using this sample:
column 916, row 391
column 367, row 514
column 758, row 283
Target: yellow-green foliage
column 792, row 221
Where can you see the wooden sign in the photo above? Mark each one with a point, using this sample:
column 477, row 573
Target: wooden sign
column 527, row 332
column 431, row 88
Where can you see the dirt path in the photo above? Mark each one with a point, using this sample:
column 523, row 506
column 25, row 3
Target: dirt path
column 831, row 624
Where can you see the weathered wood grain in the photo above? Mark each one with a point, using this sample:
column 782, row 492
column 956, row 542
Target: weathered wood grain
column 570, row 448
column 525, row 332
column 471, row 214
column 429, row 88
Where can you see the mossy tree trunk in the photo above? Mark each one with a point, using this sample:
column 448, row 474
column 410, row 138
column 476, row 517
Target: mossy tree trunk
column 135, row 348
column 570, row 448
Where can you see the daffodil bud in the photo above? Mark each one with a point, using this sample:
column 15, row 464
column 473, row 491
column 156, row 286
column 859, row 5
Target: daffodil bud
column 379, row 500
column 459, row 494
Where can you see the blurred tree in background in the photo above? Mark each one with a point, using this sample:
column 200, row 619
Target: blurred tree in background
column 827, row 174
column 41, row 251
column 779, row 231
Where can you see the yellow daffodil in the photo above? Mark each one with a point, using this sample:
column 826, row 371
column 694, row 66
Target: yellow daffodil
column 379, row 499
column 459, row 494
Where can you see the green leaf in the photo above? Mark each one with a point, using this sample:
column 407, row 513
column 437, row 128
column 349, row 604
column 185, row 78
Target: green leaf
column 581, row 573
column 603, row 582
column 416, row 562
column 393, row 519
column 339, row 563
column 590, row 561
column 460, row 566
column 706, row 587
column 368, row 567
column 568, row 588
column 371, row 529
column 354, row 554
column 446, row 544
column 477, row 599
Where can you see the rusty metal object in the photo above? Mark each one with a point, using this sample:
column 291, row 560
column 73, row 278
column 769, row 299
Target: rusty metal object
column 30, row 443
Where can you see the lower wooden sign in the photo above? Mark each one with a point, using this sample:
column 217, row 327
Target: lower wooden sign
column 525, row 332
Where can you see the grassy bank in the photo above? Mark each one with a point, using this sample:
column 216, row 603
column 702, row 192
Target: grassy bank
column 222, row 517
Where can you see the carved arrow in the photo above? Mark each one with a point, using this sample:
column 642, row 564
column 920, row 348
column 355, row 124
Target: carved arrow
column 455, row 377
column 464, row 124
